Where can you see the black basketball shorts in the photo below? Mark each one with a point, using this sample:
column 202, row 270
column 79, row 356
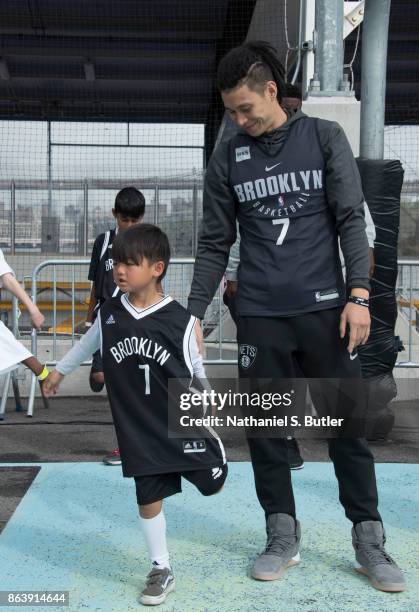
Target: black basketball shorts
column 153, row 488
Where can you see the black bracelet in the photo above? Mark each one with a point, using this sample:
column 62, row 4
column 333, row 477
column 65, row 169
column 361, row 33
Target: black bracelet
column 359, row 301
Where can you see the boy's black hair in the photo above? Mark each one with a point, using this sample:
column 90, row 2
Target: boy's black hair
column 130, row 202
column 139, row 242
column 253, row 64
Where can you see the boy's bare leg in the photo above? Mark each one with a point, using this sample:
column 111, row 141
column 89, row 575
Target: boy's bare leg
column 149, row 511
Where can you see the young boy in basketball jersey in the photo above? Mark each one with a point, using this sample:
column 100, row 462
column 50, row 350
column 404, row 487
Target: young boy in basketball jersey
column 145, row 340
column 129, row 210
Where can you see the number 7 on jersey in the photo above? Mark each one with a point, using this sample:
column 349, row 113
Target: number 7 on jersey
column 285, row 225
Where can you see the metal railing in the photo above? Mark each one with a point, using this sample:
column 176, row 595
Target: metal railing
column 178, row 286
column 412, row 290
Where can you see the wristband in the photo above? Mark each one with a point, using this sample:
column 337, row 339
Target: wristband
column 359, row 301
column 43, row 374
column 88, row 324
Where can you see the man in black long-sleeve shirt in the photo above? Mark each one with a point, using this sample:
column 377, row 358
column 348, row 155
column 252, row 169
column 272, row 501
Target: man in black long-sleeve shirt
column 293, row 185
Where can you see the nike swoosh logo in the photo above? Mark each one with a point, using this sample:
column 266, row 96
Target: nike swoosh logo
column 268, row 169
column 352, row 357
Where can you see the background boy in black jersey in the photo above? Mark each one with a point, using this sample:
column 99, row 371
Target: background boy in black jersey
column 293, row 184
column 129, row 210
column 145, row 340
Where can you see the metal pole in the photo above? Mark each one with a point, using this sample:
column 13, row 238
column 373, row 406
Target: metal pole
column 329, row 44
column 300, row 41
column 373, row 70
column 13, row 216
column 308, row 35
column 49, row 172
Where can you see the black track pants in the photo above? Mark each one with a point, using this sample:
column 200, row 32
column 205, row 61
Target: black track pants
column 287, row 347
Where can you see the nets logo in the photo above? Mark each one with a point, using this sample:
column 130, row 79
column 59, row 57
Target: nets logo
column 281, row 201
column 247, row 354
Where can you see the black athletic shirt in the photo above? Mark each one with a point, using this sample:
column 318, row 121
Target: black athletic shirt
column 304, row 156
column 101, row 267
column 141, row 351
column 289, row 257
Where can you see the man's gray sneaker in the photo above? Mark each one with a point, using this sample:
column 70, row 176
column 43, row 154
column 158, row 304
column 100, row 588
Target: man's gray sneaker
column 281, row 550
column 160, row 582
column 368, row 539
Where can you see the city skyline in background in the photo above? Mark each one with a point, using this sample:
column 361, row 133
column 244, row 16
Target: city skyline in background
column 88, row 162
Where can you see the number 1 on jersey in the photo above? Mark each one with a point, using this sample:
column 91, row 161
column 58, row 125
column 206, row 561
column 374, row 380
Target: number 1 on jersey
column 285, row 225
column 146, row 369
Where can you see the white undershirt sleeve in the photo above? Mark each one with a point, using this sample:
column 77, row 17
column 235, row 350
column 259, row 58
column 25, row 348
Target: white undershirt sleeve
column 196, row 357
column 370, row 227
column 198, row 363
column 81, row 351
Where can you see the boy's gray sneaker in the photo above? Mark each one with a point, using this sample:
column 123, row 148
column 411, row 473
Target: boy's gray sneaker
column 284, row 535
column 368, row 539
column 160, row 582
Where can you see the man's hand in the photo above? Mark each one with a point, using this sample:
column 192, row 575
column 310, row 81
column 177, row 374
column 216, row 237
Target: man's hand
column 37, row 317
column 359, row 321
column 231, row 289
column 199, row 337
column 51, row 383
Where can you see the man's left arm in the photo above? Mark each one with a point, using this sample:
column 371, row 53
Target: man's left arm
column 346, row 200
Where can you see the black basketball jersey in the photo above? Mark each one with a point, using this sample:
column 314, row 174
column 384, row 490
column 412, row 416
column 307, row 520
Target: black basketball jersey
column 101, row 267
column 289, row 258
column 141, row 351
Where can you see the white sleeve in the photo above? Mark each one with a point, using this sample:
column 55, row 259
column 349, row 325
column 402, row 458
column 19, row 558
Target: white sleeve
column 81, row 351
column 233, row 260
column 370, row 227
column 4, row 267
column 198, row 363
column 196, row 357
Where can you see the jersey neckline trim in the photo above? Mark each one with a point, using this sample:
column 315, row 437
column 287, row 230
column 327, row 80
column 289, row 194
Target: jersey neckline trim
column 140, row 314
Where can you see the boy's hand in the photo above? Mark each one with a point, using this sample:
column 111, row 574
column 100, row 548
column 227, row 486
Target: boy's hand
column 231, row 288
column 37, row 317
column 51, row 383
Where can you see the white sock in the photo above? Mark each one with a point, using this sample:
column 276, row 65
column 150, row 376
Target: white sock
column 154, row 531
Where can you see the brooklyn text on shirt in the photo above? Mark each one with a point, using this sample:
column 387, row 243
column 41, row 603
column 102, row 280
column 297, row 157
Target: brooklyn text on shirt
column 144, row 347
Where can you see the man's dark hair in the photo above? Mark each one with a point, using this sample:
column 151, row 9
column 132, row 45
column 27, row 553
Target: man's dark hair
column 130, row 202
column 292, row 91
column 253, row 64
column 142, row 241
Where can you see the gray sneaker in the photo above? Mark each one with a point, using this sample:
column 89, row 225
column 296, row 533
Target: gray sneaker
column 368, row 539
column 281, row 550
column 160, row 582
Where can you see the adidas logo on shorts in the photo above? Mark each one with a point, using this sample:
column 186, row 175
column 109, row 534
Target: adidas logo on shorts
column 110, row 320
column 216, row 473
